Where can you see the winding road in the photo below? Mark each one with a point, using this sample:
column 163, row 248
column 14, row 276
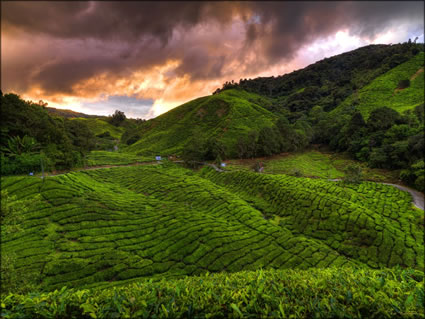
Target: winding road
column 418, row 197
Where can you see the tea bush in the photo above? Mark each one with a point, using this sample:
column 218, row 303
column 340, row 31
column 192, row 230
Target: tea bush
column 315, row 293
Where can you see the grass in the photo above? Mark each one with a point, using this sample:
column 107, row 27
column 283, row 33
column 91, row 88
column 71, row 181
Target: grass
column 382, row 90
column 122, row 224
column 98, row 126
column 314, row 164
column 309, row 164
column 97, row 158
column 315, row 293
column 227, row 116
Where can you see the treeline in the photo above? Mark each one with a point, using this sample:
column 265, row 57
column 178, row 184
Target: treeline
column 282, row 137
column 386, row 140
column 31, row 138
column 330, row 81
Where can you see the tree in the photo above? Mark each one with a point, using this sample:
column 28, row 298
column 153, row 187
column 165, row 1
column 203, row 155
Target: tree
column 117, row 118
column 247, row 145
column 194, row 151
column 80, row 135
column 382, row 118
column 268, row 141
column 17, row 145
column 214, row 148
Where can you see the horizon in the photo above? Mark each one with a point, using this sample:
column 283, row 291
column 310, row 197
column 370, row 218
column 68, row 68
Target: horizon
column 159, row 56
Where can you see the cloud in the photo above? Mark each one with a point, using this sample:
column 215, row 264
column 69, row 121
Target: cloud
column 130, row 105
column 145, row 49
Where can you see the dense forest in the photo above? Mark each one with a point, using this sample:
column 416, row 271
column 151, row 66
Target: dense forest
column 35, row 138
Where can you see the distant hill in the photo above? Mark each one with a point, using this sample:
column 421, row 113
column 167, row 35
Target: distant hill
column 99, row 126
column 69, row 113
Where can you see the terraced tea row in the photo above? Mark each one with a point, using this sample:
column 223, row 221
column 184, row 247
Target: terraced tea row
column 371, row 223
column 125, row 223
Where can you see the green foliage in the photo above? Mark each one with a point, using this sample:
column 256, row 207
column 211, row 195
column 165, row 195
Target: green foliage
column 226, row 117
column 385, row 90
column 121, row 224
column 20, row 164
column 414, row 175
column 17, row 145
column 27, row 127
column 97, row 158
column 315, row 293
column 329, row 82
column 117, row 118
column 353, row 174
column 363, row 221
column 308, row 163
column 99, row 126
column 12, row 217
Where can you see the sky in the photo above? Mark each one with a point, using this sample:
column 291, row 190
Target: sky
column 145, row 58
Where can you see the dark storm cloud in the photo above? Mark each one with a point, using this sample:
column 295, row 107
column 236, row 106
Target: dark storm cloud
column 118, row 37
column 287, row 26
column 105, row 20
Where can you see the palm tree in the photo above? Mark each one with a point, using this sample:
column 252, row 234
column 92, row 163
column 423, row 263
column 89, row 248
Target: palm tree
column 17, row 145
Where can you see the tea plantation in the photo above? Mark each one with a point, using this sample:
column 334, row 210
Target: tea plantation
column 383, row 90
column 314, row 293
column 108, row 227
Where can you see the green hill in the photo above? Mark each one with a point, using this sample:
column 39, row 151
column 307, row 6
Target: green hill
column 98, row 126
column 227, row 116
column 69, row 113
column 330, row 81
column 123, row 224
column 383, row 91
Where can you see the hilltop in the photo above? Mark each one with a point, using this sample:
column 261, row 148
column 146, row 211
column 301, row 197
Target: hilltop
column 226, row 117
column 69, row 113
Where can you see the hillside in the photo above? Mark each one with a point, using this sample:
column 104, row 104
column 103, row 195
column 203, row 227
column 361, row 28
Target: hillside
column 226, row 116
column 68, row 113
column 366, row 76
column 163, row 221
column 99, row 126
column 330, row 81
column 384, row 91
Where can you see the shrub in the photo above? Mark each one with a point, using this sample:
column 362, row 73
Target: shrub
column 353, row 174
column 315, row 293
column 403, row 84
